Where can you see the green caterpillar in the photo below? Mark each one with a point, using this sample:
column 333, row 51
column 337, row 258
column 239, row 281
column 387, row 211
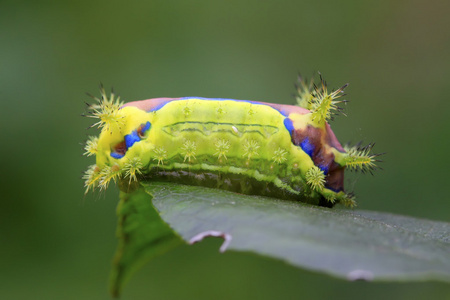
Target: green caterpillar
column 250, row 147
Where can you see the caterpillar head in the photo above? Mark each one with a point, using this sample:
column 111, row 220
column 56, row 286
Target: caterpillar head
column 119, row 148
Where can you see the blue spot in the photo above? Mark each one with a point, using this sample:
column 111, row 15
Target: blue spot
column 307, row 146
column 131, row 138
column 116, row 155
column 289, row 125
column 146, row 127
column 324, row 169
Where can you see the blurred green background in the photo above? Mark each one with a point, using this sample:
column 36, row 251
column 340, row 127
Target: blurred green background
column 58, row 244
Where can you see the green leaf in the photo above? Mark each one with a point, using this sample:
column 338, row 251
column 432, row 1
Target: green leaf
column 346, row 243
column 142, row 236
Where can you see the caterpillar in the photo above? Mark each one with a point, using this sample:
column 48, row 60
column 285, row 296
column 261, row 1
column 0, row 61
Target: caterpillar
column 250, row 147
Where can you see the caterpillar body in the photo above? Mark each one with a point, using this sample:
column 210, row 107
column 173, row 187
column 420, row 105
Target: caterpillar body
column 250, row 147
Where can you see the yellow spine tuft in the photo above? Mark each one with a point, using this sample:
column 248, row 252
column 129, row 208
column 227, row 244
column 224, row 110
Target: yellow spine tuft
column 250, row 148
column 315, row 178
column 359, row 158
column 91, row 178
column 132, row 168
column 91, row 146
column 161, row 155
column 324, row 105
column 109, row 173
column 330, row 198
column 107, row 110
column 279, row 156
column 348, row 200
column 222, row 148
column 189, row 147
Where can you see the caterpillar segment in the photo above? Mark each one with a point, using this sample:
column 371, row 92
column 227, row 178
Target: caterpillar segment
column 251, row 147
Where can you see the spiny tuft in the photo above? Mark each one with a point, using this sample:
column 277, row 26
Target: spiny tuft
column 359, row 158
column 250, row 148
column 315, row 178
column 132, row 168
column 91, row 178
column 91, row 146
column 324, row 105
column 107, row 110
column 222, row 147
column 189, row 147
column 330, row 198
column 109, row 173
column 348, row 200
column 279, row 156
column 161, row 155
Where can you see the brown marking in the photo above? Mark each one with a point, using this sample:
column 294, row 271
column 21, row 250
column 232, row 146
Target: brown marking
column 335, row 177
column 120, row 148
column 140, row 130
column 322, row 156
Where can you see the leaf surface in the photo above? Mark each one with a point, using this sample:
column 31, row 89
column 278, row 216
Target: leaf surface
column 349, row 244
column 346, row 243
